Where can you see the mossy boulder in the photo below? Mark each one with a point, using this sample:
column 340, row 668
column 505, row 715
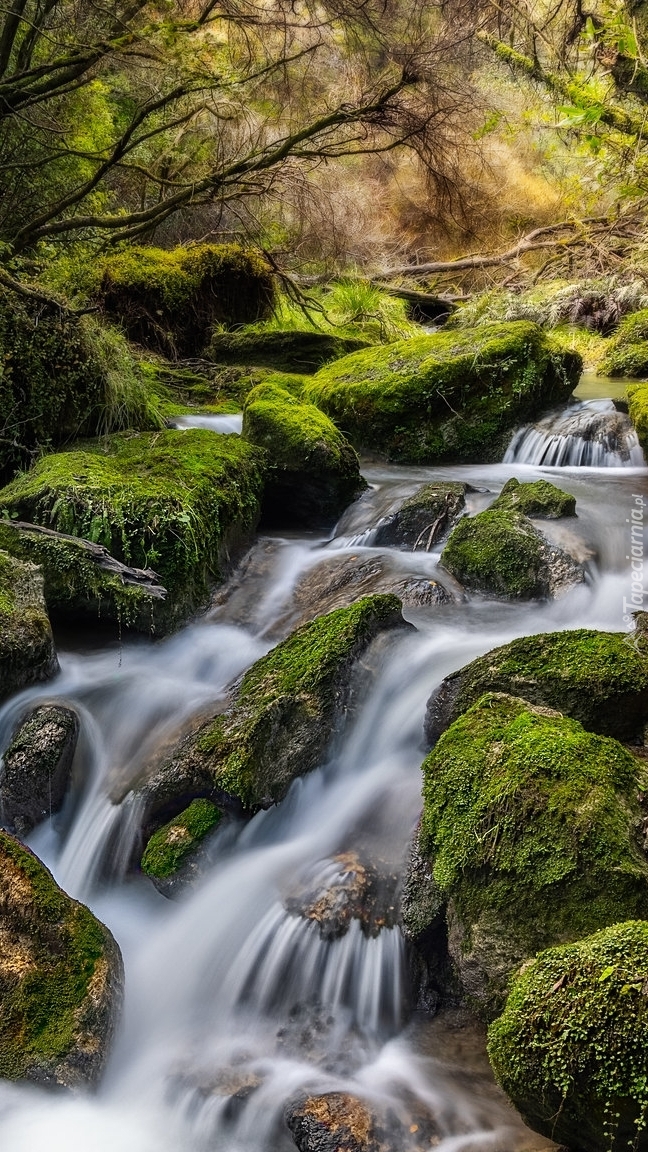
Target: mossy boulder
column 571, row 1047
column 35, row 768
column 532, row 827
column 175, row 845
column 638, row 411
column 539, row 499
column 279, row 722
column 451, row 397
column 500, row 553
column 289, row 351
column 313, row 471
column 627, row 351
column 423, row 518
column 60, row 978
column 177, row 502
column 27, row 652
column 82, row 581
column 169, row 301
column 597, row 678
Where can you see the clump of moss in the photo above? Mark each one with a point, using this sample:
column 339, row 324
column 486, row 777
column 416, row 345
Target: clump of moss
column 169, row 301
column 530, row 825
column 453, row 396
column 571, row 1047
column 171, row 845
column 176, row 502
column 539, row 499
column 27, row 652
column 499, row 552
column 313, row 471
column 597, row 678
column 288, row 351
column 638, row 410
column 627, row 351
column 60, row 977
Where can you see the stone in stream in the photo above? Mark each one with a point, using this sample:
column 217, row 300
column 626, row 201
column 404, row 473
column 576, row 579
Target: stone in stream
column 61, row 978
column 423, row 518
column 343, row 889
column 500, row 553
column 342, row 1122
column 539, row 499
column 571, row 1047
column 27, row 652
column 313, row 473
column 534, row 834
column 279, row 721
column 597, row 678
column 35, row 769
column 452, row 397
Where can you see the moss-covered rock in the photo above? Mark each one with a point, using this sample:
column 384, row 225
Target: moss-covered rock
column 500, row 553
column 27, row 652
column 82, row 581
column 539, row 499
column 454, row 396
column 627, row 351
column 169, row 301
column 177, row 502
column 638, row 411
column 35, row 768
column 597, row 678
column 313, row 472
column 60, row 977
column 532, row 828
column 423, row 518
column 571, row 1047
column 279, row 722
column 289, row 351
column 173, row 845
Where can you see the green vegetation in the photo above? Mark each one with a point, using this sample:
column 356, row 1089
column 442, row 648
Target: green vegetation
column 529, row 823
column 540, row 499
column 177, row 502
column 27, row 651
column 289, row 351
column 452, row 396
column 171, row 845
column 58, row 971
column 313, row 472
column 571, row 1047
column 638, row 408
column 627, row 352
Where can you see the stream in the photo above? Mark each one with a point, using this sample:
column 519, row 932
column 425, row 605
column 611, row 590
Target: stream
column 236, row 1006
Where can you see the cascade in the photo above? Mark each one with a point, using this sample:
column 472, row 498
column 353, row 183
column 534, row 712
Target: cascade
column 590, row 434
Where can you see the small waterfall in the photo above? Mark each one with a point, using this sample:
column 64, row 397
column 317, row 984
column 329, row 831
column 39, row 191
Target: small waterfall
column 591, row 434
column 224, row 424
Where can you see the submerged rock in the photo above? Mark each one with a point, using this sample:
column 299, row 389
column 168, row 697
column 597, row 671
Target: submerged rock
column 61, row 978
column 35, row 769
column 342, row 1122
column 500, row 553
column 454, row 396
column 597, row 678
column 345, row 888
column 27, row 652
column 424, row 517
column 533, row 829
column 540, row 499
column 571, row 1047
column 313, row 471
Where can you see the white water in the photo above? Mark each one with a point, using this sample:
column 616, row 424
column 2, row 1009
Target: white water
column 591, row 433
column 226, row 991
column 224, row 424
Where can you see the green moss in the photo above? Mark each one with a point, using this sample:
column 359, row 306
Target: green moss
column 498, row 552
column 27, row 652
column 627, row 351
column 540, row 499
column 175, row 502
column 290, row 351
column 638, row 408
column 571, row 1047
column 169, row 301
column 171, row 845
column 530, row 824
column 44, row 986
column 453, row 396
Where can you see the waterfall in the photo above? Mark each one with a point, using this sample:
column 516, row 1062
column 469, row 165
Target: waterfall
column 591, row 434
column 224, row 424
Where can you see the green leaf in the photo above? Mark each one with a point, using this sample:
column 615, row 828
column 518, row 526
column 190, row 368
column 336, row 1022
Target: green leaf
column 606, row 973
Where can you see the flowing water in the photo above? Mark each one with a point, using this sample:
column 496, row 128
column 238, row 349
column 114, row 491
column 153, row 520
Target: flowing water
column 235, row 1002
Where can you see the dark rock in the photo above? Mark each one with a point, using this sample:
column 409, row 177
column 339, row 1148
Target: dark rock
column 345, row 889
column 424, row 517
column 35, row 769
column 341, row 1122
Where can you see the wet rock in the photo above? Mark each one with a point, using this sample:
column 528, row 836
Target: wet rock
column 597, row 678
column 35, row 769
column 171, row 858
column 571, row 1047
column 534, row 833
column 345, row 889
column 27, row 652
column 342, row 1122
column 61, row 978
column 540, row 499
column 424, row 517
column 279, row 722
column 500, row 553
column 314, row 473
